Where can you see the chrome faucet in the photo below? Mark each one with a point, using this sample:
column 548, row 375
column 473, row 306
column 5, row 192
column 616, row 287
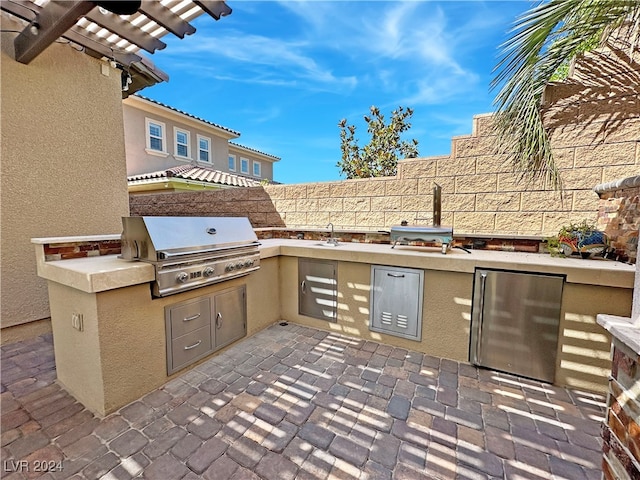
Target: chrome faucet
column 332, row 240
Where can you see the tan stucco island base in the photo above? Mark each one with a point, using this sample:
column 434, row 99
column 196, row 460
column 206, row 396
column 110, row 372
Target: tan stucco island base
column 120, row 355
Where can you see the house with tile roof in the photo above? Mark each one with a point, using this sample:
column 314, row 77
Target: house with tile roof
column 171, row 150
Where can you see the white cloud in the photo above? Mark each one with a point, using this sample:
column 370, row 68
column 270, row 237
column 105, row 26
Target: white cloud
column 270, row 60
column 409, row 49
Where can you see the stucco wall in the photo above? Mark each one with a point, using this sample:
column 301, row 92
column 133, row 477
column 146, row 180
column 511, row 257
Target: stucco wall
column 136, row 110
column 266, row 166
column 445, row 324
column 95, row 364
column 139, row 161
column 63, row 163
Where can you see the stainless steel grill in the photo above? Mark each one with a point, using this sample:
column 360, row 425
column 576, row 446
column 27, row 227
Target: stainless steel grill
column 191, row 252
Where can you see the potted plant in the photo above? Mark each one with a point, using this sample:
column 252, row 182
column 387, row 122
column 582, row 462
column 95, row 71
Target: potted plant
column 581, row 238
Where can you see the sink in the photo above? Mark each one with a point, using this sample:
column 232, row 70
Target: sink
column 325, row 244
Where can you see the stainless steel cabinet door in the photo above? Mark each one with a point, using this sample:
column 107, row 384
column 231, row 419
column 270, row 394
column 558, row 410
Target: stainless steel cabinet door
column 515, row 321
column 318, row 289
column 396, row 301
column 230, row 317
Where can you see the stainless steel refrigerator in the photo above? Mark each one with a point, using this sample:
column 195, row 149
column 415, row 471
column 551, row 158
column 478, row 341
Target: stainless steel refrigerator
column 515, row 321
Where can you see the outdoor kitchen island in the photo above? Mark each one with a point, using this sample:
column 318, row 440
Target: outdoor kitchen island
column 119, row 354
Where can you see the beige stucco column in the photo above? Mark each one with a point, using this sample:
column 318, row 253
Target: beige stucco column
column 63, row 165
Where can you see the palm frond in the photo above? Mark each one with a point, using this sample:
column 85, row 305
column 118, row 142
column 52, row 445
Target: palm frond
column 542, row 39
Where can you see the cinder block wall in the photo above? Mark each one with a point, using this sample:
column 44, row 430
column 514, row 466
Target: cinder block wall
column 252, row 202
column 594, row 125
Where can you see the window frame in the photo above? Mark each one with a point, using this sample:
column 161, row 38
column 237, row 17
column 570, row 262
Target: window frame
column 235, row 163
column 254, row 164
column 208, row 140
column 242, row 170
column 163, row 137
column 176, row 131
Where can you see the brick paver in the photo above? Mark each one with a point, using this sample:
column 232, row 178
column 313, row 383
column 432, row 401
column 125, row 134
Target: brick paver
column 299, row 403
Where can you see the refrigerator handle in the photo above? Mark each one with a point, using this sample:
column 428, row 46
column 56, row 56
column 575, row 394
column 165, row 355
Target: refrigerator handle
column 483, row 281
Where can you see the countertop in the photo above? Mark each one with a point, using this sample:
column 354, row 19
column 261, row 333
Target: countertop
column 107, row 272
column 578, row 270
column 623, row 328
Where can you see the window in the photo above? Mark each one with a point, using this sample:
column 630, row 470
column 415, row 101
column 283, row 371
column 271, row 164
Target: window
column 257, row 169
column 155, row 136
column 182, row 143
column 204, row 149
column 244, row 165
column 232, row 163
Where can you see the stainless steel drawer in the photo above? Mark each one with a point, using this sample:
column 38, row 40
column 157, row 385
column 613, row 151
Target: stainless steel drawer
column 396, row 301
column 189, row 316
column 190, row 347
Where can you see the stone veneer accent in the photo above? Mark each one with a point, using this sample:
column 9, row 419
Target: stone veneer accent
column 621, row 431
column 505, row 244
column 619, row 214
column 80, row 249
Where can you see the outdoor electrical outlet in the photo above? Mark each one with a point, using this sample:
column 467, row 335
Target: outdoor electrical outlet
column 76, row 321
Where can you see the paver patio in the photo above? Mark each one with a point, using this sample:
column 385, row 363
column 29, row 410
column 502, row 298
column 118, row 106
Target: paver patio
column 293, row 402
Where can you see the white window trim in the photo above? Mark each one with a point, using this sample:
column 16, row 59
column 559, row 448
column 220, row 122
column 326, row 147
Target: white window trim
column 254, row 164
column 148, row 149
column 202, row 137
column 235, row 163
column 177, row 130
column 247, row 172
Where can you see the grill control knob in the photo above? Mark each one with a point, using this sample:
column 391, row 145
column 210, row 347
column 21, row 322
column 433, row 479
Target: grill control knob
column 239, row 265
column 208, row 272
column 182, row 277
column 230, row 267
column 248, row 263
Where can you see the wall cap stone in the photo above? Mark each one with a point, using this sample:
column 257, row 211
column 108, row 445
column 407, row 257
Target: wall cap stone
column 623, row 329
column 628, row 182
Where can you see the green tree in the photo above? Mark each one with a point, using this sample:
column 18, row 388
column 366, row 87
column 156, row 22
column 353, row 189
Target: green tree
column 542, row 43
column 380, row 157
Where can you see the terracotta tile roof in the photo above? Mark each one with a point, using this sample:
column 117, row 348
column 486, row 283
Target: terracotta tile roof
column 191, row 172
column 242, row 147
column 186, row 114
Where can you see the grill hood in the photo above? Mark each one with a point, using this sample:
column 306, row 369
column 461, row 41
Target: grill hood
column 157, row 238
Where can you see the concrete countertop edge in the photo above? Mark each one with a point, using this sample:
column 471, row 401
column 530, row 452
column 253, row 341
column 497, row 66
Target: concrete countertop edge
column 78, row 238
column 119, row 275
column 598, row 272
column 96, row 274
column 622, row 328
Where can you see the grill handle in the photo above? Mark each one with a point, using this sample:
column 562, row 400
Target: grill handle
column 164, row 254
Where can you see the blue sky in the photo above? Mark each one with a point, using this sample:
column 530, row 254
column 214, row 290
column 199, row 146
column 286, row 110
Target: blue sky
column 284, row 73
